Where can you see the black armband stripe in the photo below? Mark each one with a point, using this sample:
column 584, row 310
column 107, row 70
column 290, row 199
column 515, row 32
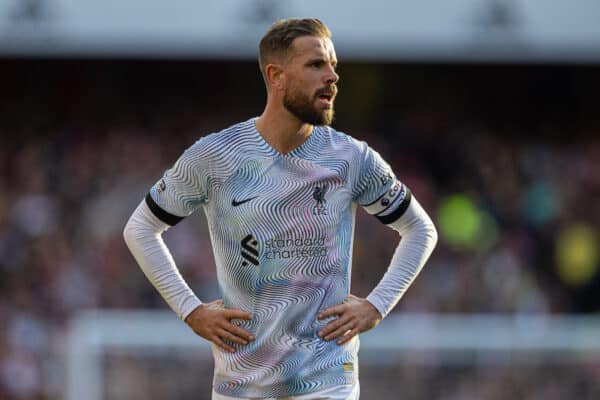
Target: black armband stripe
column 399, row 211
column 161, row 214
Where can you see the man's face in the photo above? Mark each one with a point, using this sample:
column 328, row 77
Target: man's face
column 311, row 80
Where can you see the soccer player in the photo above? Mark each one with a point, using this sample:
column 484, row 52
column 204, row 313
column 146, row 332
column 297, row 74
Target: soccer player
column 280, row 193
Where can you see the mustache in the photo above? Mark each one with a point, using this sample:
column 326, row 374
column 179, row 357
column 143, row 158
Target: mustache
column 329, row 90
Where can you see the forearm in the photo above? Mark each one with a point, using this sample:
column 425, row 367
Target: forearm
column 418, row 240
column 143, row 237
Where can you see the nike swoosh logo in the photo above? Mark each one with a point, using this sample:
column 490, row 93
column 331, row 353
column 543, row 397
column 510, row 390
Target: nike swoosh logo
column 236, row 203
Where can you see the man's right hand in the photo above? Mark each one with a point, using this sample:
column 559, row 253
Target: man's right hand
column 212, row 321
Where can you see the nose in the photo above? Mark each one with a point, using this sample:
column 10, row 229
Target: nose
column 332, row 76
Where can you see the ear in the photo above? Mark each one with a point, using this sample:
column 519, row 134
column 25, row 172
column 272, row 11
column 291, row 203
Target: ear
column 275, row 76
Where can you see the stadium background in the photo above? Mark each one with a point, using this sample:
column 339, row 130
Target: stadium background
column 502, row 149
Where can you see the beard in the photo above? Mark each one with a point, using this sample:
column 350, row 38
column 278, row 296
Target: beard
column 303, row 107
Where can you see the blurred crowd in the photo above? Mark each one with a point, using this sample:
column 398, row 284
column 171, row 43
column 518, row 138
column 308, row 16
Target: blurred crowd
column 516, row 206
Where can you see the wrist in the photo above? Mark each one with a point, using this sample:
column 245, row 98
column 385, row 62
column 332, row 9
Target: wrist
column 188, row 319
column 377, row 307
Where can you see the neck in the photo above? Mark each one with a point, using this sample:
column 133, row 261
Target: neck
column 282, row 130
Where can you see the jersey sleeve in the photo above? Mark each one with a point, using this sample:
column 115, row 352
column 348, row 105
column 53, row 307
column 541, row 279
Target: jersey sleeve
column 378, row 190
column 181, row 190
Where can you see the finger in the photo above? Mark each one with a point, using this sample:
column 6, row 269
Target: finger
column 335, row 310
column 217, row 340
column 339, row 331
column 237, row 313
column 349, row 335
column 231, row 337
column 333, row 325
column 236, row 330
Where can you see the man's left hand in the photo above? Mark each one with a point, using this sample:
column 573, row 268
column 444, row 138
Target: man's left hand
column 354, row 316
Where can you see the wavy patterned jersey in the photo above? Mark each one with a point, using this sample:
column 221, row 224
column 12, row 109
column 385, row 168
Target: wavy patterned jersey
column 281, row 228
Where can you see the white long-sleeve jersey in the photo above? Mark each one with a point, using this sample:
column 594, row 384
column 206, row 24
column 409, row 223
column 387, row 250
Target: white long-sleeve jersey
column 281, row 228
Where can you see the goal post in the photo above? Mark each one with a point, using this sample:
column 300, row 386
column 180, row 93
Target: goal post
column 92, row 332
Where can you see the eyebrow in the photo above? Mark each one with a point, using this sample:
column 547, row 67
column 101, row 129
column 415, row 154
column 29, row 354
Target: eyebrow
column 321, row 60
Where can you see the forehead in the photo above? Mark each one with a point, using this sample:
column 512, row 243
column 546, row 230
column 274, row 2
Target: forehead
column 313, row 47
